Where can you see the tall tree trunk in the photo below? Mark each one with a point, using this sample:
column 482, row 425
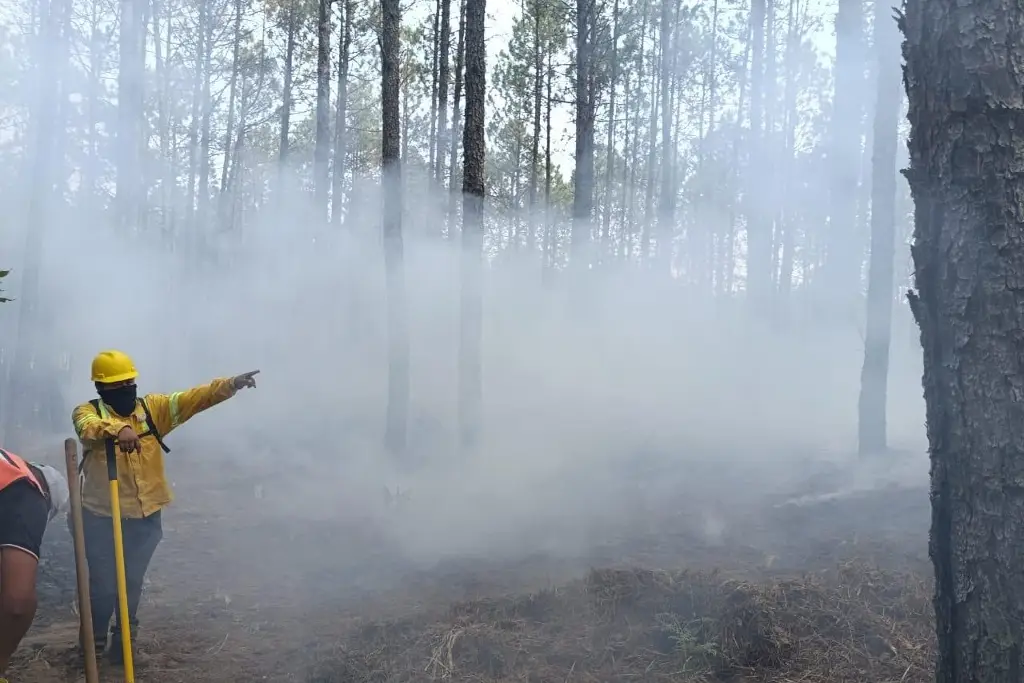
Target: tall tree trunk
column 460, row 55
column 629, row 219
column 164, row 123
column 610, row 164
column 471, row 319
column 442, row 89
column 874, row 375
column 322, row 144
column 538, row 90
column 759, row 237
column 844, row 256
column 229, row 130
column 583, row 179
column 94, row 164
column 549, row 230
column 770, row 151
column 391, row 179
column 667, row 200
column 286, row 92
column 341, row 116
column 130, row 113
column 652, row 140
column 434, row 151
column 964, row 82
column 204, row 140
column 195, row 116
column 726, row 260
column 788, row 222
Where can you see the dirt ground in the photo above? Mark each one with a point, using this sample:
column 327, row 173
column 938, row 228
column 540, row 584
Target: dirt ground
column 831, row 590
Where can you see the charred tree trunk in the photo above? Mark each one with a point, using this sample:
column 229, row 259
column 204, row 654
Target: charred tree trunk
column 874, row 375
column 391, row 179
column 471, row 319
column 967, row 132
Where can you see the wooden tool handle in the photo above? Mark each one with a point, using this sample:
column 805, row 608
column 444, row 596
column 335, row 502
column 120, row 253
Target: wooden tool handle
column 88, row 638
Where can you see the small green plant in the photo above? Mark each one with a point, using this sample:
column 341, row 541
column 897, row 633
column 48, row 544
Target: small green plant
column 693, row 646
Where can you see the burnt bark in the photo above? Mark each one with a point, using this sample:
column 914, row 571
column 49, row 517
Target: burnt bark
column 965, row 84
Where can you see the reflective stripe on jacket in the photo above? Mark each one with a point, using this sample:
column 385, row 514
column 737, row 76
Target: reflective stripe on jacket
column 14, row 468
column 142, row 484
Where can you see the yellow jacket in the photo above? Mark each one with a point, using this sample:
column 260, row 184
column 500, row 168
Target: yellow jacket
column 142, row 485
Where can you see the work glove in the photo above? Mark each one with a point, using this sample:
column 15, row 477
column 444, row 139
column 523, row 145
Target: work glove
column 245, row 381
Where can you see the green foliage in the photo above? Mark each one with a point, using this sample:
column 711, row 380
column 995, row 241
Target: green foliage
column 693, row 642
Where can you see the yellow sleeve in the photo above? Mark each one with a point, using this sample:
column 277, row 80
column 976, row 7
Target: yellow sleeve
column 91, row 427
column 170, row 411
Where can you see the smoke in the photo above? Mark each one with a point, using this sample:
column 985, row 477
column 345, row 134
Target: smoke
column 603, row 404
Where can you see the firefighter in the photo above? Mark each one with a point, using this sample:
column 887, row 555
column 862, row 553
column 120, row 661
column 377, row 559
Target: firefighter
column 133, row 429
column 30, row 496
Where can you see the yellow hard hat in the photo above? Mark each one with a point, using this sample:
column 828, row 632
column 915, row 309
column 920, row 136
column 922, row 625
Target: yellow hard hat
column 113, row 366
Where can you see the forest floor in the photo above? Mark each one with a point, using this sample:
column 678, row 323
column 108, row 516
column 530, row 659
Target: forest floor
column 833, row 590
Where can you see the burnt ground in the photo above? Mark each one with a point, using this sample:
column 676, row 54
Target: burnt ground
column 829, row 590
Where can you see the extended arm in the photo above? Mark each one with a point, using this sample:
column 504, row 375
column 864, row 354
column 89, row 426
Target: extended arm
column 173, row 410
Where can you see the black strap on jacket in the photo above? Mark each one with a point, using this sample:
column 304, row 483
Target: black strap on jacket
column 109, row 443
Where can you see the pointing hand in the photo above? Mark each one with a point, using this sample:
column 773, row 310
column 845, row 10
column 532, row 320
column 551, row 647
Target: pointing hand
column 246, row 380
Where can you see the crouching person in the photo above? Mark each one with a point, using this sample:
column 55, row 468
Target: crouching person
column 30, row 496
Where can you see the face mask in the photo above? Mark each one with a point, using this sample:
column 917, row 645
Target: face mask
column 120, row 400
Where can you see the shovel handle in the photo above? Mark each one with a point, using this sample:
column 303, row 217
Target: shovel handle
column 88, row 638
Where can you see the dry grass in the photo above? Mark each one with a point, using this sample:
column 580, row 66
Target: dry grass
column 853, row 624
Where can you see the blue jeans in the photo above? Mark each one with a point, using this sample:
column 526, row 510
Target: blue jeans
column 141, row 537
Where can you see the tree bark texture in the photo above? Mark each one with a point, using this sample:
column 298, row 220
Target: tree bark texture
column 391, row 177
column 583, row 185
column 471, row 319
column 964, row 77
